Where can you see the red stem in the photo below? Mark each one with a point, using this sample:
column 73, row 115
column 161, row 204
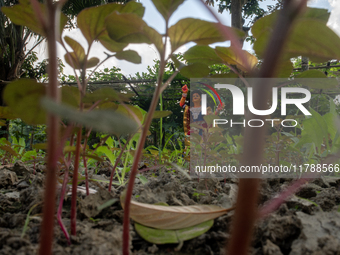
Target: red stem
column 61, row 201
column 85, row 165
column 138, row 154
column 47, row 225
column 246, row 206
column 74, row 186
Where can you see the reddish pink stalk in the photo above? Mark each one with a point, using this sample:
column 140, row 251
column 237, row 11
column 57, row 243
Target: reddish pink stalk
column 246, row 206
column 47, row 225
column 276, row 202
column 61, row 201
column 85, row 164
column 74, row 186
column 138, row 154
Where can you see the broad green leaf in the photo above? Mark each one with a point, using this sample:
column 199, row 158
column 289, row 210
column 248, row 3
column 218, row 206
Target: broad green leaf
column 310, row 37
column 92, row 62
column 228, row 55
column 122, row 109
column 104, row 94
column 317, row 80
column 167, row 7
column 108, row 105
column 70, row 96
column 196, row 70
column 108, row 153
column 162, row 236
column 285, row 69
column 78, row 55
column 330, row 119
column 216, row 138
column 142, row 178
column 6, row 113
column 130, row 28
column 91, row 21
column 209, row 119
column 202, row 54
column 109, row 122
column 319, row 14
column 314, row 130
column 195, row 30
column 24, row 15
column 9, row 150
column 161, row 114
column 110, row 44
column 23, row 97
column 172, row 217
column 129, row 55
column 40, row 146
column 312, row 74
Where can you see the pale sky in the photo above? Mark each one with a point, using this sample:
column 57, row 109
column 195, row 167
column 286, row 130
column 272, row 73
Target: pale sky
column 190, row 8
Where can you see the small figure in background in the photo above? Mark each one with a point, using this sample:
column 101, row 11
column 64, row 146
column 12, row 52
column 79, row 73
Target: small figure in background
column 192, row 113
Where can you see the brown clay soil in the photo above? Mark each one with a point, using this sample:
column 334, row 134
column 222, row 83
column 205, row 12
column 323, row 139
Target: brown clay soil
column 308, row 223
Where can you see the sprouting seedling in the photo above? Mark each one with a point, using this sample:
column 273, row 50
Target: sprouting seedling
column 27, row 220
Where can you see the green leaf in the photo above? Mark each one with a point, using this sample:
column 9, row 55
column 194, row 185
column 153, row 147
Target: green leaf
column 107, row 204
column 310, row 37
column 108, row 153
column 70, row 96
column 129, row 28
column 9, row 150
column 91, row 21
column 129, row 55
column 23, row 14
column 319, row 14
column 196, row 70
column 78, row 55
column 162, row 236
column 317, row 80
column 195, row 30
column 228, row 55
column 103, row 121
column 209, row 119
column 167, row 7
column 110, row 44
column 40, row 146
column 285, row 69
column 23, row 97
column 202, row 54
column 6, row 113
column 104, row 94
column 142, row 179
column 161, row 114
column 122, row 110
column 314, row 130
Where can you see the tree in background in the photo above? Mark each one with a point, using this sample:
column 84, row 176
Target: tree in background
column 243, row 9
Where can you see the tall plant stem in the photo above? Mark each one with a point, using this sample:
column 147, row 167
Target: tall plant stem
column 246, row 206
column 154, row 102
column 47, row 225
column 74, row 186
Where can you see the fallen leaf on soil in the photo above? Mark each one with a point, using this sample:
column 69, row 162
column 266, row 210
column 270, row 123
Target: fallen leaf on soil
column 172, row 217
column 163, row 236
